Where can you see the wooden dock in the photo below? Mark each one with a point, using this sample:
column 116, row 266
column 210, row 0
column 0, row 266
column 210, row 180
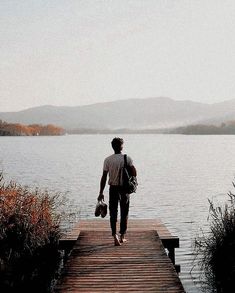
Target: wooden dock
column 140, row 265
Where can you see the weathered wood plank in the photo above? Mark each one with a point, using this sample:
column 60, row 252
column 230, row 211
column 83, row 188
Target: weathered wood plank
column 140, row 265
column 136, row 224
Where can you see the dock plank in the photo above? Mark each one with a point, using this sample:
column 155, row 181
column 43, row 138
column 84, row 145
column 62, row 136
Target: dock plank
column 140, row 265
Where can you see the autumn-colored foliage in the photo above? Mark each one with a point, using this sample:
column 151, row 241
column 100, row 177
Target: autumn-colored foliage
column 17, row 129
column 29, row 234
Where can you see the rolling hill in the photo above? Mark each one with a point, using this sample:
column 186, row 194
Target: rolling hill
column 147, row 113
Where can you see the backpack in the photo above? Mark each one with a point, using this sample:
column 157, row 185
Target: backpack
column 129, row 182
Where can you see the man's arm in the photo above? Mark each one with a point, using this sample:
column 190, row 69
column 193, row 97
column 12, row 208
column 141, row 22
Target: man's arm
column 102, row 185
column 133, row 170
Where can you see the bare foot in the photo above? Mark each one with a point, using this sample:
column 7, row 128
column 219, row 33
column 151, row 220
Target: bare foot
column 116, row 240
column 123, row 239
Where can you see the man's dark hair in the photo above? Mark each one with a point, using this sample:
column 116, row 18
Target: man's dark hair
column 117, row 142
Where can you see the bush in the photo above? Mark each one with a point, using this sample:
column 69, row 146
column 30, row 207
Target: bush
column 29, row 235
column 217, row 248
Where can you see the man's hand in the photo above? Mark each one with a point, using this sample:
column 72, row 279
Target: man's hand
column 100, row 197
column 102, row 185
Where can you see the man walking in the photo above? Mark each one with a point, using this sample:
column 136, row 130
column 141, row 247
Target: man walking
column 113, row 167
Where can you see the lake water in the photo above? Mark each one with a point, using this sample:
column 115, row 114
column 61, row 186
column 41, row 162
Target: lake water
column 177, row 175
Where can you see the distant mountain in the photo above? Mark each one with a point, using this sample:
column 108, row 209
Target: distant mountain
column 132, row 114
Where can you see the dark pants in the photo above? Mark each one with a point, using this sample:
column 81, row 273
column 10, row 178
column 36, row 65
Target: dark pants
column 116, row 194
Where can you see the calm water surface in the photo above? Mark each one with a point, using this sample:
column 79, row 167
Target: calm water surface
column 177, row 174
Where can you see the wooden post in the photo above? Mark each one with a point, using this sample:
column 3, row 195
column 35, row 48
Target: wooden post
column 171, row 254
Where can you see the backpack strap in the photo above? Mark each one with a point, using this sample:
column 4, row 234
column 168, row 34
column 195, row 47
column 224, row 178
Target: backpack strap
column 125, row 165
column 125, row 160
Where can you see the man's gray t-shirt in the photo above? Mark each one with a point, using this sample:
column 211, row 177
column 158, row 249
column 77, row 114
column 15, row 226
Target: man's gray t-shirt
column 113, row 165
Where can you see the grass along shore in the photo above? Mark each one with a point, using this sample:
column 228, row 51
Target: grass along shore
column 30, row 229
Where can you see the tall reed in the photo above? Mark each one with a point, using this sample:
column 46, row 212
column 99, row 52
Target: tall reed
column 29, row 235
column 217, row 247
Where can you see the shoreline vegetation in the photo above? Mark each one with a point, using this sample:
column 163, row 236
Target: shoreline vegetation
column 215, row 249
column 30, row 229
column 227, row 128
column 17, row 129
column 202, row 129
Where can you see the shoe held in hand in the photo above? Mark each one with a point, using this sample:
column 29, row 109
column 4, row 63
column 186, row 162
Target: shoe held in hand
column 101, row 209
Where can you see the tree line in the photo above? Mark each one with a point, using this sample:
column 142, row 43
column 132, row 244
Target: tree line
column 17, row 129
column 223, row 128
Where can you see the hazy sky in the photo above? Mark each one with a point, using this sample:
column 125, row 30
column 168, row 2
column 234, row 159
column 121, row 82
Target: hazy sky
column 66, row 52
